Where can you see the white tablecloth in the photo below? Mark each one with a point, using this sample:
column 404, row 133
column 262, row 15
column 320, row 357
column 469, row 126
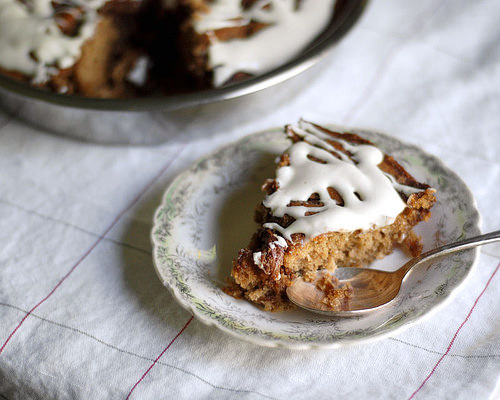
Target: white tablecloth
column 83, row 315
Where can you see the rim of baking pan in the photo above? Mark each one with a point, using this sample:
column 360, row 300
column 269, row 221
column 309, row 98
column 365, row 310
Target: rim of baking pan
column 347, row 12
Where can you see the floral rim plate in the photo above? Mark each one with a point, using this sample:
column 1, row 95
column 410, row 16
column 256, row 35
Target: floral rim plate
column 206, row 217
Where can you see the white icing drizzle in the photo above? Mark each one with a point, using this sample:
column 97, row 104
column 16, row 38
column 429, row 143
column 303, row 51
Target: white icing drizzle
column 32, row 43
column 280, row 241
column 139, row 73
column 289, row 31
column 378, row 203
column 257, row 256
column 257, row 259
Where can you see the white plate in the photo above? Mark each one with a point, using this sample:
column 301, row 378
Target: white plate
column 207, row 215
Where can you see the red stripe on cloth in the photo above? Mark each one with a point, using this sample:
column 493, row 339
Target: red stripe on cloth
column 456, row 333
column 158, row 358
column 101, row 237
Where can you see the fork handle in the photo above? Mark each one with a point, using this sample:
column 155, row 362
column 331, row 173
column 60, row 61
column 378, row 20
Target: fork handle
column 455, row 246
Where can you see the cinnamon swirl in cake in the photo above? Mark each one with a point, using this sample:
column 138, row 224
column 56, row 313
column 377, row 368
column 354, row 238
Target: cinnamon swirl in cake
column 122, row 48
column 336, row 200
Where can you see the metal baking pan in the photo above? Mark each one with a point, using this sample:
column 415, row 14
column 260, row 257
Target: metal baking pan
column 154, row 119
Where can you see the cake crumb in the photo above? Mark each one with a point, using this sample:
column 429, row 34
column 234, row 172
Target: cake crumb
column 337, row 295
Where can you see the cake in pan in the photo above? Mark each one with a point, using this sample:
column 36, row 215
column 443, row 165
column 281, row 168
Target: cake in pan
column 71, row 46
column 336, row 200
column 123, row 48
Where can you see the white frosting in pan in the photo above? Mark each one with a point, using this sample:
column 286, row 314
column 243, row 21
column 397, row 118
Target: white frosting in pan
column 290, row 30
column 370, row 197
column 257, row 258
column 32, row 43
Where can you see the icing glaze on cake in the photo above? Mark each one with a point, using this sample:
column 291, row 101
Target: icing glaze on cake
column 290, row 26
column 370, row 197
column 34, row 44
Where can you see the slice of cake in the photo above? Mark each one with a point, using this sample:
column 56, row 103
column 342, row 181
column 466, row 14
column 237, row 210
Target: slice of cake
column 337, row 200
